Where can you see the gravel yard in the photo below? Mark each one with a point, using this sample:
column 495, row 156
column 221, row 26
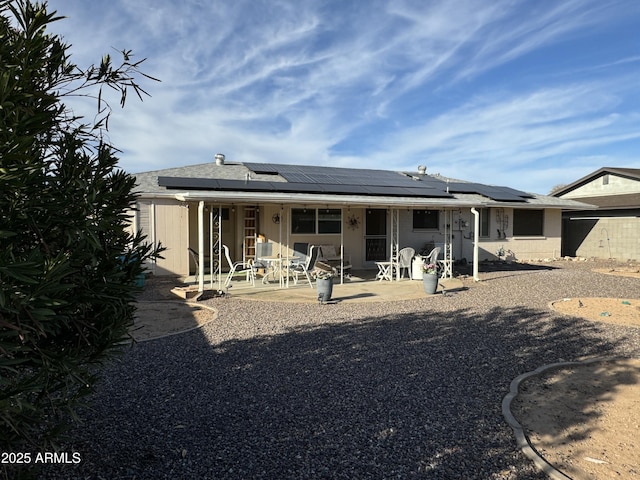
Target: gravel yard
column 409, row 389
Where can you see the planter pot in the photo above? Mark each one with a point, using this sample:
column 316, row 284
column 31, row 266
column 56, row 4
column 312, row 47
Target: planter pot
column 325, row 289
column 430, row 283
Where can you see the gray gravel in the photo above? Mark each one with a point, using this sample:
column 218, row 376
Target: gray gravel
column 408, row 389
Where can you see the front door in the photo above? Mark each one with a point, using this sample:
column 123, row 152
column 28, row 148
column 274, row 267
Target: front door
column 375, row 236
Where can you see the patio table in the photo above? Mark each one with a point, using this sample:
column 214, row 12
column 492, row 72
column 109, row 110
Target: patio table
column 275, row 267
column 385, row 271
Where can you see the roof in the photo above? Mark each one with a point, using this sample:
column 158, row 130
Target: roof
column 283, row 183
column 631, row 173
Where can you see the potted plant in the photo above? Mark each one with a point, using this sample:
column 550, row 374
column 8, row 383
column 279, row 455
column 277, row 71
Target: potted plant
column 324, row 274
column 430, row 278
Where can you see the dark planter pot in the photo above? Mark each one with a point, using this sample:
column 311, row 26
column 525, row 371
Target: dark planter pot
column 430, row 283
column 325, row 289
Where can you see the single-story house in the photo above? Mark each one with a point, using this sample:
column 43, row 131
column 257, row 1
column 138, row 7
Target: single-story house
column 366, row 215
column 611, row 227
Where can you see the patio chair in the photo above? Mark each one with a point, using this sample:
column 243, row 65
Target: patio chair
column 405, row 257
column 331, row 255
column 196, row 260
column 300, row 250
column 245, row 268
column 305, row 268
column 433, row 257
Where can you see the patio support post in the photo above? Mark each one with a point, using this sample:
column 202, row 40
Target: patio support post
column 395, row 241
column 341, row 245
column 201, row 246
column 476, row 239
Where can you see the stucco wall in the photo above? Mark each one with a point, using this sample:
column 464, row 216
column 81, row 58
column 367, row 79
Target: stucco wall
column 614, row 185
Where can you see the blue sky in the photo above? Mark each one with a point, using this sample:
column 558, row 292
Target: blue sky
column 528, row 94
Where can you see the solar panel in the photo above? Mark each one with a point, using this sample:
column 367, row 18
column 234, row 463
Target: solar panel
column 345, row 181
column 188, row 183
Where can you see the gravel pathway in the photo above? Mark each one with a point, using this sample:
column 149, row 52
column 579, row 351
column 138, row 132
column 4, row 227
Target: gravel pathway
column 408, row 389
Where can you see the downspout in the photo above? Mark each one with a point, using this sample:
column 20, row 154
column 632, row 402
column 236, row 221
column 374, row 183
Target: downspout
column 476, row 239
column 341, row 246
column 201, row 246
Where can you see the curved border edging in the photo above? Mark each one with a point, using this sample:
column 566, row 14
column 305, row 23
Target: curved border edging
column 523, row 441
column 189, row 329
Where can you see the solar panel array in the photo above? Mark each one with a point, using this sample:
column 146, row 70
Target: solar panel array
column 344, row 181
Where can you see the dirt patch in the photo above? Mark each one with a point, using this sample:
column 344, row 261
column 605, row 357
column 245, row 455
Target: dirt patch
column 621, row 311
column 583, row 420
column 161, row 318
column 621, row 271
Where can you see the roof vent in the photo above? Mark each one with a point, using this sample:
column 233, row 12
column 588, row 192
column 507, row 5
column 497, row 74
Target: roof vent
column 219, row 159
column 422, row 169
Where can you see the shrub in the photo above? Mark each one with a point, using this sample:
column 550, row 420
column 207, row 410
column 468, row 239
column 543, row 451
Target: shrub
column 68, row 260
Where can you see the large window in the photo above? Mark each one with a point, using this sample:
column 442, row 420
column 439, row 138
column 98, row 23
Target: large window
column 528, row 223
column 426, row 220
column 312, row 221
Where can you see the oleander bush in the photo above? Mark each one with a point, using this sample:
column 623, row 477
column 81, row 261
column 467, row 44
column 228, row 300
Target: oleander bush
column 68, row 260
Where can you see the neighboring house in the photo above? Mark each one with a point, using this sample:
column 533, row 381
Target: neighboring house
column 611, row 227
column 371, row 214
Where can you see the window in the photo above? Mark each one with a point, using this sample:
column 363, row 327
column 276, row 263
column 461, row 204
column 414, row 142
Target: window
column 311, row 220
column 303, row 220
column 605, row 179
column 426, row 220
column 528, row 223
column 484, row 222
column 329, row 220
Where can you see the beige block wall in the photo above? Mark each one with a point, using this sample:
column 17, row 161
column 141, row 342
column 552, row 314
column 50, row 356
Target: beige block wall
column 617, row 238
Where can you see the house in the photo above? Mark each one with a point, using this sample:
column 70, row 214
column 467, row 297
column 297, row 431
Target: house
column 366, row 215
column 611, row 227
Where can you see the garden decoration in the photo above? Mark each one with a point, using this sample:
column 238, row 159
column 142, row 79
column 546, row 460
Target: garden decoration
column 430, row 278
column 324, row 274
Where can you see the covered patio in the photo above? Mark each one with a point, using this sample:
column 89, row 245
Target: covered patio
column 212, row 264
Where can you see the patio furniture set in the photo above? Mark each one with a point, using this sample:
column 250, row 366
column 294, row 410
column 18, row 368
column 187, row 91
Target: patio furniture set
column 406, row 259
column 304, row 264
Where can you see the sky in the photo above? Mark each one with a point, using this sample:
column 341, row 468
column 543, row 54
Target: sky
column 526, row 94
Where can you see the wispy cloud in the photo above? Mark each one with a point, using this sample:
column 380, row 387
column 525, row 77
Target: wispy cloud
column 456, row 83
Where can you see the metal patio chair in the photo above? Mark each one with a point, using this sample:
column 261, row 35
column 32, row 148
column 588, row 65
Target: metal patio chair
column 235, row 268
column 305, row 268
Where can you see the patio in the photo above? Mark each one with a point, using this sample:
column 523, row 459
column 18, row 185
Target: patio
column 361, row 287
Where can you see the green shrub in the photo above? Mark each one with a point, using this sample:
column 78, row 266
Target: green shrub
column 68, row 261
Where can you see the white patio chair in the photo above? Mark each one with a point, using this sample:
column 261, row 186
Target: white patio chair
column 433, row 257
column 246, row 268
column 405, row 257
